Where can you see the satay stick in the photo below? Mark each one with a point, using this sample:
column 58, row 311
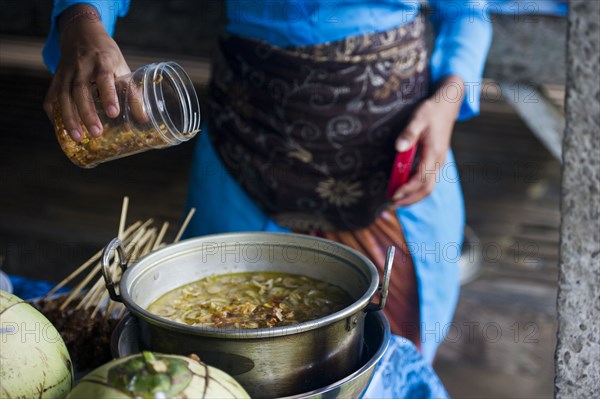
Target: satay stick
column 161, row 236
column 146, row 242
column 100, row 304
column 148, row 237
column 104, row 298
column 123, row 217
column 109, row 309
column 138, row 243
column 96, row 293
column 150, row 243
column 100, row 284
column 93, row 294
column 87, row 299
column 112, row 308
column 184, row 225
column 127, row 244
column 86, row 264
column 121, row 312
column 77, row 290
column 115, row 275
column 130, row 246
column 70, row 277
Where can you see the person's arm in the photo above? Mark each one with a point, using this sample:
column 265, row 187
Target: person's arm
column 79, row 51
column 463, row 37
column 107, row 10
column 463, row 34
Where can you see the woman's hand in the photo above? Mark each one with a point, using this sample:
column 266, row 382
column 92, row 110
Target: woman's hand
column 431, row 126
column 88, row 55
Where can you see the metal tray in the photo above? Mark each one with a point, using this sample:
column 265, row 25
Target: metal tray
column 125, row 341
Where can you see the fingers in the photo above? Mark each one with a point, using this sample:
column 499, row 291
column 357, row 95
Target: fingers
column 82, row 95
column 69, row 113
column 421, row 188
column 411, row 134
column 89, row 55
column 59, row 95
column 136, row 104
column 431, row 125
column 105, row 81
column 422, row 183
column 51, row 100
column 74, row 97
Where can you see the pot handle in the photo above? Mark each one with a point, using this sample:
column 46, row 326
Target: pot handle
column 114, row 245
column 384, row 286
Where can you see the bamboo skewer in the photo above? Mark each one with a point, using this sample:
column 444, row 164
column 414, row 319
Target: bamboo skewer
column 97, row 295
column 103, row 302
column 97, row 288
column 138, row 239
column 80, row 269
column 150, row 243
column 100, row 304
column 121, row 312
column 161, row 236
column 89, row 295
column 77, row 290
column 137, row 244
column 123, row 217
column 86, row 264
column 184, row 225
column 109, row 309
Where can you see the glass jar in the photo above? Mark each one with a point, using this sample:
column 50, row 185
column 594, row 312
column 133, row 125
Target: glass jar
column 158, row 108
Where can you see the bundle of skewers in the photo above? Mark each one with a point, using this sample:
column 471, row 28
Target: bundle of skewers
column 86, row 316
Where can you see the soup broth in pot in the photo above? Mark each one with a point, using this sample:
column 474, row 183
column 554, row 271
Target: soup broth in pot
column 251, row 300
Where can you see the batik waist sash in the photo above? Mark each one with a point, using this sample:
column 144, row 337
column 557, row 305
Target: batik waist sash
column 309, row 132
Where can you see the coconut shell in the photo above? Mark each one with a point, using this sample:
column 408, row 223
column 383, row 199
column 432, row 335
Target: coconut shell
column 35, row 361
column 181, row 377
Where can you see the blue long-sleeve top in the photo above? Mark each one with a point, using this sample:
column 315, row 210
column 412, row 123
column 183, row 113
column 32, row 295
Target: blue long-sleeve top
column 463, row 29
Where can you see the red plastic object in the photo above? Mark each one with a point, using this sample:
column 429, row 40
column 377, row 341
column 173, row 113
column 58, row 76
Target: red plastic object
column 401, row 171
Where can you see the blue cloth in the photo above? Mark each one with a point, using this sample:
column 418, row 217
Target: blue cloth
column 463, row 29
column 433, row 228
column 26, row 288
column 463, row 37
column 404, row 373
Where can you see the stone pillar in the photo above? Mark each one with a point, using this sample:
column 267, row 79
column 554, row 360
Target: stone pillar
column 578, row 349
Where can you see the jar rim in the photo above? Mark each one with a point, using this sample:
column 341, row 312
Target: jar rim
column 156, row 76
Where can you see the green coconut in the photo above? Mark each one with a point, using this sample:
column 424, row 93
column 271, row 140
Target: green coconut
column 34, row 360
column 152, row 376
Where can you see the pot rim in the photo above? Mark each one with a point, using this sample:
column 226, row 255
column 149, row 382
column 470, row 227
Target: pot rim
column 254, row 237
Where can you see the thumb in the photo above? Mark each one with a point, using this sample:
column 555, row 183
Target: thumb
column 410, row 135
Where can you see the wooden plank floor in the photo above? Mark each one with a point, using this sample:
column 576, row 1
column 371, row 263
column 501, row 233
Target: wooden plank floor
column 502, row 339
column 54, row 215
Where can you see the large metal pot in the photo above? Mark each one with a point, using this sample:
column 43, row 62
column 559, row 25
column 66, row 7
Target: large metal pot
column 125, row 342
column 274, row 362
